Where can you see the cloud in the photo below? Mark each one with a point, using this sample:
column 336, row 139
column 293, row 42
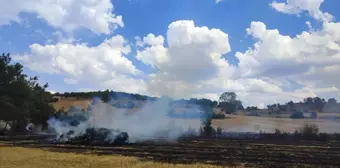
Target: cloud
column 299, row 6
column 67, row 15
column 186, row 43
column 193, row 54
column 191, row 64
column 310, row 58
column 104, row 66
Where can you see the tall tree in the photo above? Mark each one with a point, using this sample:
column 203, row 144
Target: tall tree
column 332, row 102
column 22, row 99
column 309, row 102
column 228, row 97
column 318, row 103
column 229, row 103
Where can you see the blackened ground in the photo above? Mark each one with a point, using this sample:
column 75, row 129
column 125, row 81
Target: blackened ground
column 95, row 136
column 217, row 151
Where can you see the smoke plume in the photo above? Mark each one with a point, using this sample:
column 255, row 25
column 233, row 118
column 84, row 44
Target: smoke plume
column 152, row 121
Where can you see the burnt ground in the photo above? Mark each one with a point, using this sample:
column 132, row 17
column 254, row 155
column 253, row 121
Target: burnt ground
column 224, row 151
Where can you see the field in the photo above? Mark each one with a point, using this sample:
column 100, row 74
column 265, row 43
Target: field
column 187, row 152
column 67, row 103
column 240, row 123
column 38, row 158
column 199, row 152
column 267, row 124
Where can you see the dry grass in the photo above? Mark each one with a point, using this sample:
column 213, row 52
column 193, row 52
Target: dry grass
column 67, row 103
column 18, row 157
column 268, row 124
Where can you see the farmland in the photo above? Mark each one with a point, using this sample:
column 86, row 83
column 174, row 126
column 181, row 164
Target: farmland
column 240, row 123
column 209, row 151
column 38, row 158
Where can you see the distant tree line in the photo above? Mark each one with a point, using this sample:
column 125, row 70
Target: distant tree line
column 315, row 104
column 227, row 101
column 106, row 95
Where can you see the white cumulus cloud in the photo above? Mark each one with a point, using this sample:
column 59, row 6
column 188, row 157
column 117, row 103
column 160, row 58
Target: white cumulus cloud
column 193, row 54
column 68, row 15
column 104, row 66
column 300, row 6
column 311, row 59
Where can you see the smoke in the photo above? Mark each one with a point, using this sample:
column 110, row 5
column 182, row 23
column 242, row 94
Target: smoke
column 151, row 121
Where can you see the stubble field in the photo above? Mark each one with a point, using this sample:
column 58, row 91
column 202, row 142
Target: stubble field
column 198, row 152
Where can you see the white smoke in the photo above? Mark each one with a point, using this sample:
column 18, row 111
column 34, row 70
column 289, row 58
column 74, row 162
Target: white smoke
column 149, row 122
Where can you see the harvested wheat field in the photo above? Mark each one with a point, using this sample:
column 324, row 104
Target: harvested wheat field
column 198, row 152
column 240, row 123
column 18, row 157
column 67, row 103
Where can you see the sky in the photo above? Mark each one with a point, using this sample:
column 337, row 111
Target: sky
column 263, row 50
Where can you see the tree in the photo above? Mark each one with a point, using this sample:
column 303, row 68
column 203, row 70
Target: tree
column 229, row 103
column 206, row 120
column 290, row 105
column 318, row 103
column 228, row 97
column 309, row 102
column 332, row 102
column 22, row 99
column 106, row 96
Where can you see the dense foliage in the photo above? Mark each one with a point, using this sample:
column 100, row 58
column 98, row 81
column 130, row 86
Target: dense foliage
column 315, row 104
column 229, row 103
column 106, row 95
column 22, row 99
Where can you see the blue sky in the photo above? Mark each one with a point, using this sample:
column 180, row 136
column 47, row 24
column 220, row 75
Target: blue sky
column 142, row 17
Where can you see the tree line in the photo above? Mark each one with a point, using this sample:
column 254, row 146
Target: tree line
column 106, row 95
column 315, row 104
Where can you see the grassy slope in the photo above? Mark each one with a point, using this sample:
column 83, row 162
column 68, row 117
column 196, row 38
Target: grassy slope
column 17, row 157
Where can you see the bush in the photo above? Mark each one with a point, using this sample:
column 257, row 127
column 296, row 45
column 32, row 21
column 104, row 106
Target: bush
column 277, row 132
column 309, row 131
column 219, row 131
column 218, row 116
column 53, row 100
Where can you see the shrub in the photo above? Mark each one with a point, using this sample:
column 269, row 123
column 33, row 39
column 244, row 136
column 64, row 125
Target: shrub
column 277, row 131
column 219, row 131
column 309, row 131
column 218, row 116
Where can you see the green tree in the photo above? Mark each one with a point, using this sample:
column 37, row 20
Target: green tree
column 207, row 129
column 319, row 103
column 228, row 97
column 229, row 103
column 22, row 99
column 332, row 102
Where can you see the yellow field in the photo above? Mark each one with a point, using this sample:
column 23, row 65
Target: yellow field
column 268, row 124
column 67, row 103
column 16, row 157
